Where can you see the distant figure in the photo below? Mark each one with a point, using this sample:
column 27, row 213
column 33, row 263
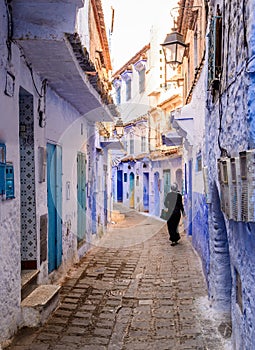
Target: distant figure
column 173, row 203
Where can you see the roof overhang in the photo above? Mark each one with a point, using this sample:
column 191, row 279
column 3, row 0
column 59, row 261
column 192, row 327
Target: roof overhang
column 39, row 29
column 172, row 102
column 172, row 138
column 184, row 124
column 112, row 144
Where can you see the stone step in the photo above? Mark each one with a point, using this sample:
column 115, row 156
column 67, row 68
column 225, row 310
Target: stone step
column 117, row 216
column 38, row 305
column 28, row 282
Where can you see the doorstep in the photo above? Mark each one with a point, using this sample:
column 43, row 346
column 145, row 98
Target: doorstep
column 39, row 304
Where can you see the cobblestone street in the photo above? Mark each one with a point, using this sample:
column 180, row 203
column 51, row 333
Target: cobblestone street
column 132, row 291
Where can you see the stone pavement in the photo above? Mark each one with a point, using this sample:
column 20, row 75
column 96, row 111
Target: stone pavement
column 132, row 291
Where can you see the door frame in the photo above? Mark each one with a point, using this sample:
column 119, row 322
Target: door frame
column 81, row 196
column 54, row 202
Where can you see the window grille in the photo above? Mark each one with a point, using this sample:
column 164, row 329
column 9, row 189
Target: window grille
column 143, row 144
column 142, row 81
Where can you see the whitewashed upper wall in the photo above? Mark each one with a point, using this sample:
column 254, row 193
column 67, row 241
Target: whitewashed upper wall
column 82, row 25
column 44, row 19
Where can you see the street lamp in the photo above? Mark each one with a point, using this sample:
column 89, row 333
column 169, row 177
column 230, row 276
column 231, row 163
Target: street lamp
column 119, row 127
column 174, row 48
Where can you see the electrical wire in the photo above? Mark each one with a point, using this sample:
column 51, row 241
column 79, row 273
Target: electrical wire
column 33, row 80
column 9, row 28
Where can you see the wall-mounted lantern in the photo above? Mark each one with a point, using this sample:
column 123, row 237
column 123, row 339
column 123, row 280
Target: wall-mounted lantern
column 174, row 48
column 119, row 127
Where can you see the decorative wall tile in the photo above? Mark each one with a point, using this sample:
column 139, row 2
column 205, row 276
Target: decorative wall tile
column 27, row 180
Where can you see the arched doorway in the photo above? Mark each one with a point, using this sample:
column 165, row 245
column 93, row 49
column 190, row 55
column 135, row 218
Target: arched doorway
column 131, row 190
column 146, row 192
column 119, row 186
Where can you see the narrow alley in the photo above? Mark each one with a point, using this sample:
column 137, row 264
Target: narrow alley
column 132, row 291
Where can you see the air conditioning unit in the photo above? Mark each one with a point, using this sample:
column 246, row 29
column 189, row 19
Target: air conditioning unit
column 226, row 187
column 220, row 177
column 247, row 175
column 222, row 181
column 235, row 190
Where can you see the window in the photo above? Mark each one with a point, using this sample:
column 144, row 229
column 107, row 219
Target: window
column 118, row 95
column 143, row 144
column 214, row 44
column 132, row 148
column 128, row 90
column 125, row 177
column 142, row 81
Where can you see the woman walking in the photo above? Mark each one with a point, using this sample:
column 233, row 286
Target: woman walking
column 173, row 203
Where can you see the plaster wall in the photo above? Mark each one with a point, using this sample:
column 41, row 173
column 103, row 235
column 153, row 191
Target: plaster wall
column 71, row 134
column 195, row 203
column 236, row 123
column 82, row 25
column 10, row 282
column 64, row 127
column 138, row 104
column 39, row 20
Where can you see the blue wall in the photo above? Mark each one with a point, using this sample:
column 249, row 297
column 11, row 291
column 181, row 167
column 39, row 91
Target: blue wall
column 200, row 230
column 242, row 251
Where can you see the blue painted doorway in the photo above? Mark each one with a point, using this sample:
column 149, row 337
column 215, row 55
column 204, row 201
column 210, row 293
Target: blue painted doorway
column 156, row 194
column 81, row 196
column 146, row 192
column 167, row 181
column 54, row 201
column 119, row 185
column 190, row 166
column 132, row 190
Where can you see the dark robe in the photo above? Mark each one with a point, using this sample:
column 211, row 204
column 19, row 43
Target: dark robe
column 173, row 203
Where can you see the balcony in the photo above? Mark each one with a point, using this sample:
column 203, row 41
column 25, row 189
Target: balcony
column 45, row 30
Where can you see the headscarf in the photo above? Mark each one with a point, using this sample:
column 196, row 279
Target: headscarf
column 174, row 187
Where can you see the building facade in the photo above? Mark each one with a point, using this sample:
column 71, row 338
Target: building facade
column 190, row 18
column 54, row 95
column 217, row 125
column 230, row 154
column 143, row 176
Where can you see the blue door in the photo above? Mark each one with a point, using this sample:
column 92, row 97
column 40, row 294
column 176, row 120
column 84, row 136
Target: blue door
column 105, row 196
column 94, row 213
column 156, row 194
column 146, row 192
column 190, row 198
column 54, row 201
column 167, row 182
column 119, row 186
column 81, row 196
column 132, row 190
